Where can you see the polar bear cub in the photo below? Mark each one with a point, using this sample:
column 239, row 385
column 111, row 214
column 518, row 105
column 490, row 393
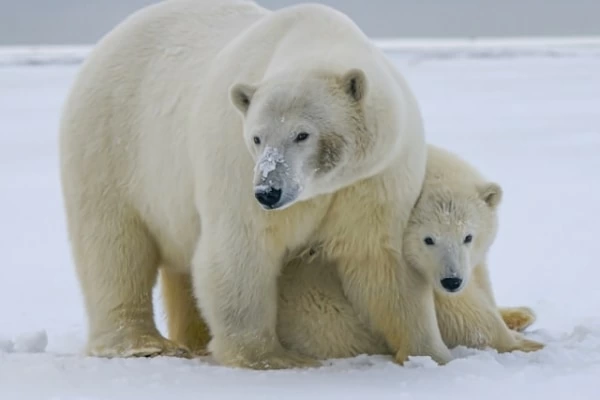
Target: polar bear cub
column 450, row 230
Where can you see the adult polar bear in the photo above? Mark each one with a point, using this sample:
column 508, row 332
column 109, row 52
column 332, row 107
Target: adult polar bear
column 157, row 164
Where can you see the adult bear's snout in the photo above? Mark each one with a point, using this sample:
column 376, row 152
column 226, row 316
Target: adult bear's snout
column 268, row 197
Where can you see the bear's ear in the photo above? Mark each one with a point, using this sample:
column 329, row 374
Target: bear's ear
column 491, row 193
column 354, row 83
column 241, row 96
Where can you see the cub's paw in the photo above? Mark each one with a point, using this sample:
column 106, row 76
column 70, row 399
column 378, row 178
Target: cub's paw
column 130, row 345
column 518, row 318
column 518, row 342
column 279, row 358
column 528, row 346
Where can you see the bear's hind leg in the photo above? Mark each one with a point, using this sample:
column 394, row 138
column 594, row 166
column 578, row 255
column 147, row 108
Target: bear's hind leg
column 185, row 324
column 117, row 266
column 517, row 318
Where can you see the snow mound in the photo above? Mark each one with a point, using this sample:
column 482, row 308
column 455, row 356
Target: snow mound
column 30, row 342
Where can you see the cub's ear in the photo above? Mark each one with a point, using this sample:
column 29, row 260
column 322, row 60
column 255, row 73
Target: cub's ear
column 241, row 96
column 491, row 193
column 354, row 83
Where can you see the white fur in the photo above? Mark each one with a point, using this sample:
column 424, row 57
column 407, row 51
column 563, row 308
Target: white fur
column 157, row 171
column 316, row 318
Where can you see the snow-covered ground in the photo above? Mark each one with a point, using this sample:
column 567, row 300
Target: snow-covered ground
column 530, row 120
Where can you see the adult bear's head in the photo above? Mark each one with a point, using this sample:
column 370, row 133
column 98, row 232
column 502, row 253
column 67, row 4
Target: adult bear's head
column 304, row 133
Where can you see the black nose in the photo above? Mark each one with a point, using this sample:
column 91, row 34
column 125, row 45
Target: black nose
column 451, row 284
column 268, row 197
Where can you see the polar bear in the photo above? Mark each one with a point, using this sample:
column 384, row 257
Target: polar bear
column 450, row 230
column 213, row 140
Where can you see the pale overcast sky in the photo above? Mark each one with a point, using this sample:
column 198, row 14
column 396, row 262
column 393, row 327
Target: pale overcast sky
column 85, row 21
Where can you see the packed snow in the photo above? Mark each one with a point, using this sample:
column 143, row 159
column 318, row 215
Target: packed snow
column 28, row 342
column 529, row 119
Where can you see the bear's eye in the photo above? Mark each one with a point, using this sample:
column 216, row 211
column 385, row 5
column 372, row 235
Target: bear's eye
column 468, row 239
column 256, row 140
column 429, row 241
column 302, row 136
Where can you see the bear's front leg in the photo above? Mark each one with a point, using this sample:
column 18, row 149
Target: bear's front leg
column 235, row 281
column 516, row 318
column 502, row 338
column 397, row 301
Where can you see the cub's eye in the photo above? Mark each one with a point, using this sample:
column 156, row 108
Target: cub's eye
column 302, row 136
column 429, row 241
column 256, row 140
column 468, row 239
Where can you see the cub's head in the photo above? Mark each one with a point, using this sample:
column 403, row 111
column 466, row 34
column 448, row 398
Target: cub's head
column 301, row 131
column 450, row 231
